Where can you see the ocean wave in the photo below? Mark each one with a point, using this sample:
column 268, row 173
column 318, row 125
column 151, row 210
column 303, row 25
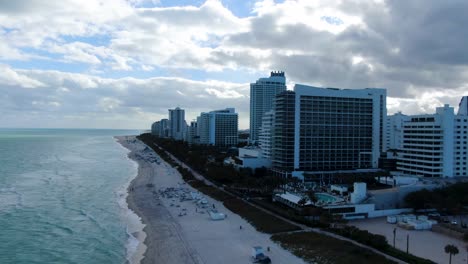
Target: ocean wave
column 134, row 229
column 10, row 199
column 132, row 246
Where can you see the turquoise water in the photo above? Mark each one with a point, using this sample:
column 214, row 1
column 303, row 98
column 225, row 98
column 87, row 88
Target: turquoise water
column 61, row 196
column 325, row 198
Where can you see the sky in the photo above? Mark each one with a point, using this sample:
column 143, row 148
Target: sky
column 123, row 63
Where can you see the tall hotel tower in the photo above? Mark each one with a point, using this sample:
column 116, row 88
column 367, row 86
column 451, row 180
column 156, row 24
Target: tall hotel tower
column 218, row 128
column 177, row 123
column 262, row 95
column 328, row 129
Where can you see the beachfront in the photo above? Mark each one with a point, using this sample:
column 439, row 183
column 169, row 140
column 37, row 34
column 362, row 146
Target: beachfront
column 172, row 237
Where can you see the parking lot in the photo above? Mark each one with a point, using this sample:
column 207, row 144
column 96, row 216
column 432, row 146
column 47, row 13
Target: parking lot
column 425, row 244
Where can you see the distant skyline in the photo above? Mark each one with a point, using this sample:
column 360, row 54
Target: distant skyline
column 123, row 63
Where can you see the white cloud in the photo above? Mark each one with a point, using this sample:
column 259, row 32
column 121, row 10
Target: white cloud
column 121, row 102
column 335, row 43
column 9, row 77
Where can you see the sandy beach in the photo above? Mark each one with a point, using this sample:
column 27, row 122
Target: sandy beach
column 179, row 231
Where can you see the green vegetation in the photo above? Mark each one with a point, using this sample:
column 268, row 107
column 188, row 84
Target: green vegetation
column 317, row 248
column 208, row 161
column 450, row 199
column 378, row 242
column 363, row 236
column 262, row 221
column 211, row 191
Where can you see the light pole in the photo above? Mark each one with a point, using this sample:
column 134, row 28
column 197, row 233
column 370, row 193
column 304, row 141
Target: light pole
column 394, row 235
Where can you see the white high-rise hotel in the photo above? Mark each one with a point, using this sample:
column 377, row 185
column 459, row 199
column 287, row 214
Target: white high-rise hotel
column 177, row 123
column 325, row 130
column 328, row 129
column 218, row 128
column 432, row 145
column 262, row 95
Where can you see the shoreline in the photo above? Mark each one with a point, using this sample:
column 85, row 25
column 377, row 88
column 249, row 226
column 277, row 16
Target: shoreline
column 135, row 246
column 161, row 240
column 181, row 231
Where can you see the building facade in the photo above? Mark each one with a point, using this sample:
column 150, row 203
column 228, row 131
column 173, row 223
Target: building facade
column 160, row 128
column 394, row 135
column 155, row 127
column 192, row 133
column 435, row 145
column 177, row 123
column 338, row 129
column 264, row 139
column 332, row 129
column 218, row 128
column 164, row 128
column 282, row 133
column 262, row 95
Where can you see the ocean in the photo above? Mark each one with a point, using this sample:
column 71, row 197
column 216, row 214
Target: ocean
column 62, row 196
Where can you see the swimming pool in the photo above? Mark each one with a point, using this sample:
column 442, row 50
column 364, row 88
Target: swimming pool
column 326, row 198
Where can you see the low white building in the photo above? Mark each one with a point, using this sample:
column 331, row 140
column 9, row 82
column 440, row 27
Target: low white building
column 291, row 200
column 251, row 157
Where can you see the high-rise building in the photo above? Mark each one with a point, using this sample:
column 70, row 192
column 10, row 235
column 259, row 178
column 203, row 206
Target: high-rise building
column 177, row 123
column 333, row 129
column 463, row 106
column 282, row 133
column 218, row 128
column 155, row 128
column 394, row 135
column 262, row 95
column 203, row 128
column 160, row 128
column 435, row 145
column 164, row 128
column 192, row 137
column 264, row 138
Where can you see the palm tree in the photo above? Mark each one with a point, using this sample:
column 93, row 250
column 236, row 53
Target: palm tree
column 451, row 250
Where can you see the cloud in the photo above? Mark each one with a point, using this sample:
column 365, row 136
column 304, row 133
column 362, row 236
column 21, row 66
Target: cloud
column 136, row 102
column 11, row 78
column 415, row 49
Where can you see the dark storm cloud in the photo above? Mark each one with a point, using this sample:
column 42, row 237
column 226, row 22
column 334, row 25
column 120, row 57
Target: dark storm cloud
column 405, row 46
